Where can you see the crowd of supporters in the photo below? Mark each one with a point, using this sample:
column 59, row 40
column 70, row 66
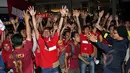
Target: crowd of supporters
column 67, row 42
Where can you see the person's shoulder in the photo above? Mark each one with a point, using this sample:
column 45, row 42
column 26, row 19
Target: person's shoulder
column 27, row 41
column 81, row 34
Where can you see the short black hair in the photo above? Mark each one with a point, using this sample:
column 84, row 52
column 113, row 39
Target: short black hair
column 48, row 28
column 17, row 40
column 122, row 31
column 86, row 26
column 73, row 34
column 66, row 31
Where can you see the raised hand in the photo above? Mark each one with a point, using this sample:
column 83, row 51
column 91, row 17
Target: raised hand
column 31, row 11
column 107, row 16
column 69, row 14
column 116, row 18
column 101, row 13
column 110, row 18
column 12, row 20
column 92, row 37
column 26, row 15
column 55, row 18
column 63, row 11
column 98, row 27
column 39, row 19
column 76, row 13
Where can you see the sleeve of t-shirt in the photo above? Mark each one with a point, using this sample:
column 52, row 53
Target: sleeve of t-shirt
column 10, row 62
column 55, row 38
column 28, row 45
column 41, row 44
column 81, row 36
column 109, row 39
column 103, row 46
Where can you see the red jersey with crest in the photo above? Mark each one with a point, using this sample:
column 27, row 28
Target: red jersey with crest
column 49, row 55
column 86, row 46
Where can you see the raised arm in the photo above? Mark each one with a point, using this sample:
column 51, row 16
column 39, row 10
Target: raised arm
column 49, row 24
column 76, row 13
column 15, row 24
column 32, row 13
column 93, row 38
column 28, row 29
column 41, row 27
column 105, row 34
column 35, row 44
column 105, row 20
column 55, row 27
column 100, row 16
column 116, row 18
column 83, row 16
column 63, row 12
column 39, row 20
column 109, row 22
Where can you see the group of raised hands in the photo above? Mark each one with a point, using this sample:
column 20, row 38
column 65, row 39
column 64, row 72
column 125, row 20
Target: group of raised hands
column 65, row 12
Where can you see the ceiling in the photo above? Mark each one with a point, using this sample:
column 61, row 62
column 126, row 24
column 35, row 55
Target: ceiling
column 54, row 1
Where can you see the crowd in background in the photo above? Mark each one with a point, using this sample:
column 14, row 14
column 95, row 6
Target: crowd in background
column 67, row 42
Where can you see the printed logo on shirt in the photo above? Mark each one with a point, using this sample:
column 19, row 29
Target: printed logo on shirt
column 52, row 48
column 19, row 56
column 85, row 42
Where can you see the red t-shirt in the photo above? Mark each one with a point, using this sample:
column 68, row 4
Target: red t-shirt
column 62, row 45
column 5, row 53
column 66, row 43
column 24, row 59
column 73, row 60
column 86, row 46
column 97, row 34
column 50, row 55
column 37, row 57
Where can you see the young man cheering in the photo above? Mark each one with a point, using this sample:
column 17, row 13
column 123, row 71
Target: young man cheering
column 47, row 44
column 21, row 58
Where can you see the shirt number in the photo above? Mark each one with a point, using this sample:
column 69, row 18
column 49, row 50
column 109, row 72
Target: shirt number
column 19, row 62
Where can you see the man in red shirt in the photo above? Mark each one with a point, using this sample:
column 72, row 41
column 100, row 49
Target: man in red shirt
column 65, row 40
column 47, row 44
column 6, row 51
column 87, row 51
column 71, row 55
column 21, row 58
